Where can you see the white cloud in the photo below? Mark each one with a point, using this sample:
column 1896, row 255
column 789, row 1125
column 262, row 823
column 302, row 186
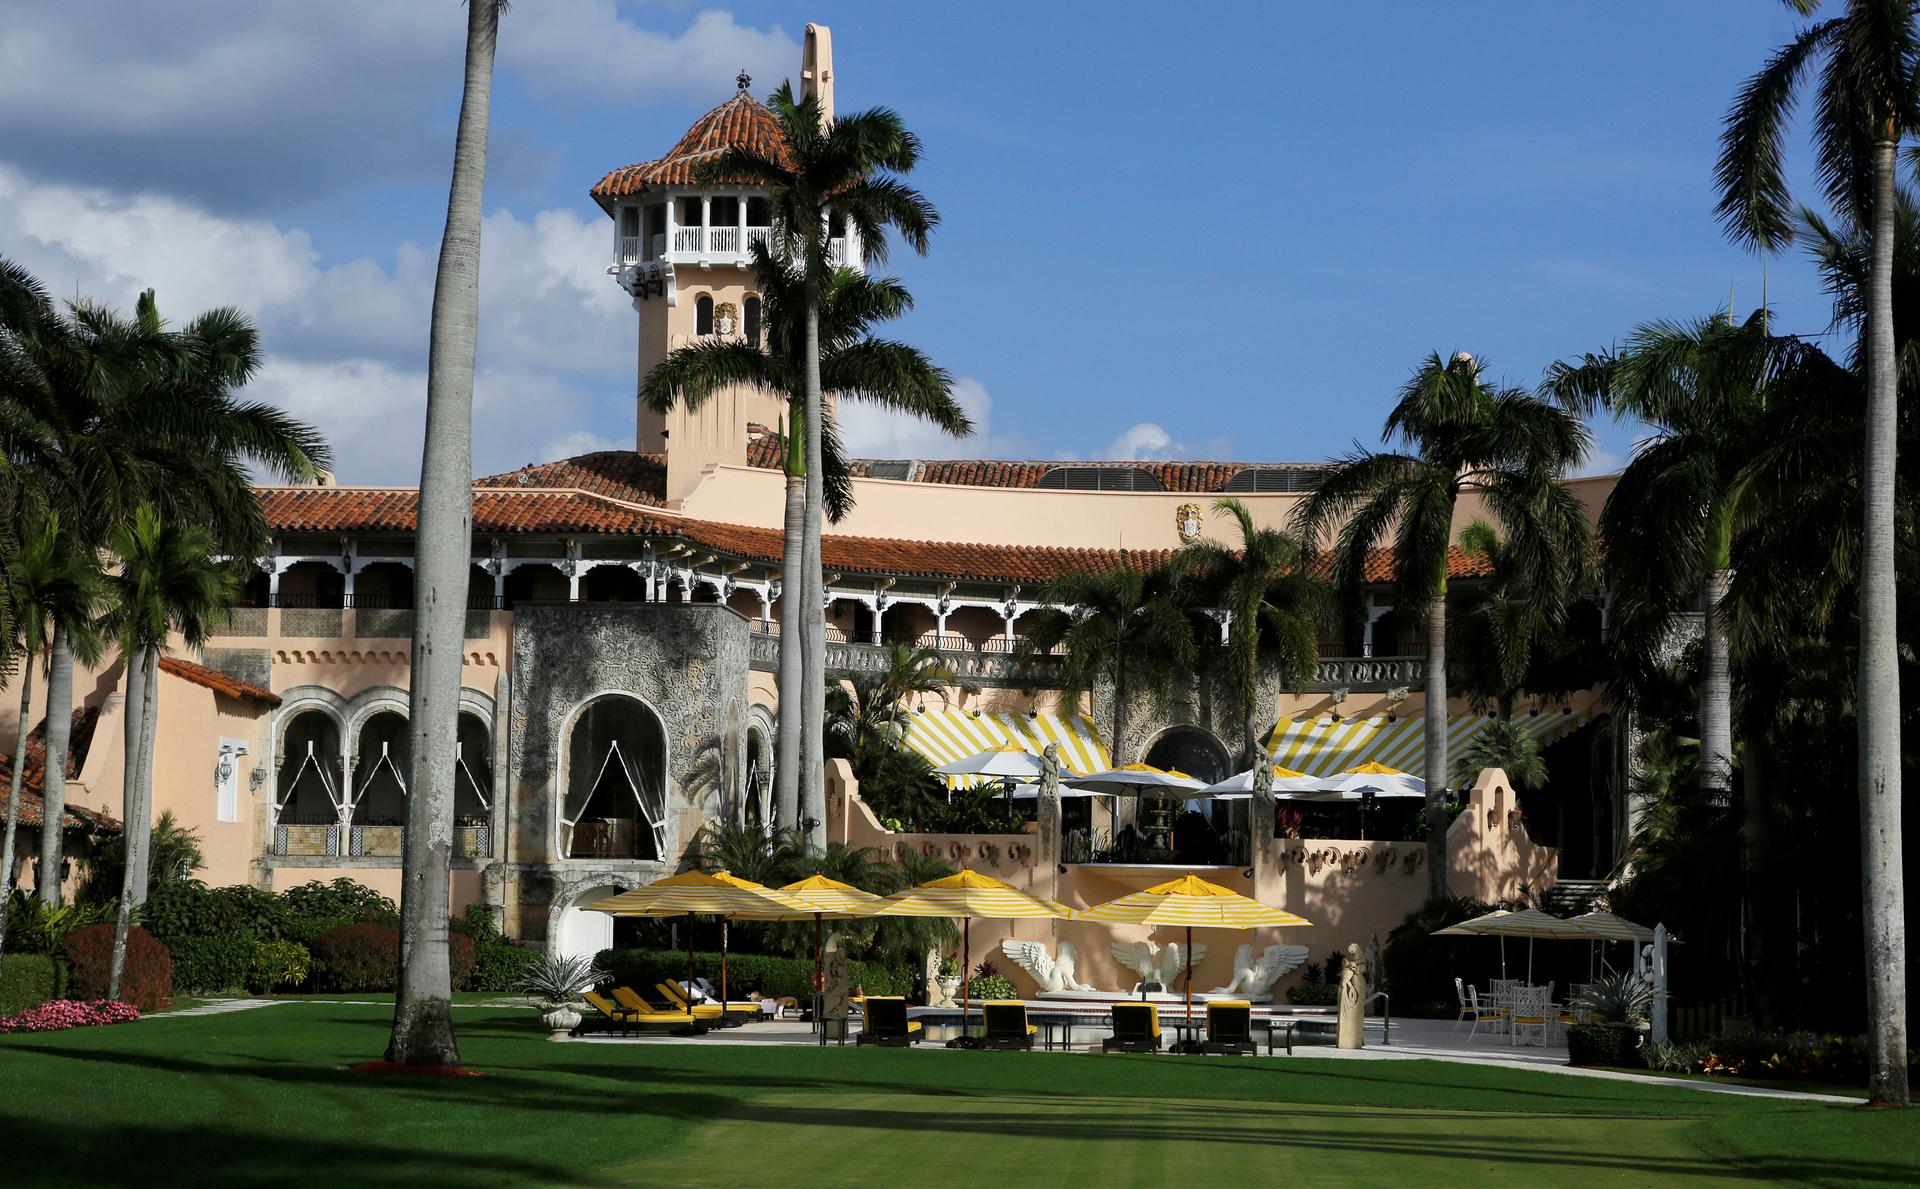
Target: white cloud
column 869, row 432
column 581, row 441
column 1599, row 461
column 244, row 104
column 1145, row 441
column 346, row 343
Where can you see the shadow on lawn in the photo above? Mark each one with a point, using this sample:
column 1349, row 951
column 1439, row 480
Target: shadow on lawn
column 604, row 1082
column 153, row 1154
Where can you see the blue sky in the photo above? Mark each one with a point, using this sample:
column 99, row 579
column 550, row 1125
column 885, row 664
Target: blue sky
column 1226, row 232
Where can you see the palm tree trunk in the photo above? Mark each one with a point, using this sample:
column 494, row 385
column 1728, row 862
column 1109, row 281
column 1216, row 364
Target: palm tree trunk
column 814, row 691
column 1436, row 746
column 1755, row 845
column 149, row 732
column 54, row 789
column 793, row 648
column 1716, row 695
column 13, row 791
column 136, row 827
column 423, row 1005
column 1881, row 875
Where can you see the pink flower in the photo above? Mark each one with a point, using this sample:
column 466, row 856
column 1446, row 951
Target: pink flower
column 59, row 1014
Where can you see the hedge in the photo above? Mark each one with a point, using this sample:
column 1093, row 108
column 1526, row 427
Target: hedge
column 209, row 965
column 27, row 980
column 1604, row 1044
column 366, row 957
column 147, row 980
column 499, row 962
column 765, row 973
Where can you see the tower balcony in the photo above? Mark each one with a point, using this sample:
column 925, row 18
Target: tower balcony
column 707, row 246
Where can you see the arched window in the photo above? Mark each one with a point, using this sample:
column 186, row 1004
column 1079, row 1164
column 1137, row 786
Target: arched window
column 703, row 314
column 615, row 805
column 380, row 770
column 309, row 792
column 751, row 317
column 472, row 772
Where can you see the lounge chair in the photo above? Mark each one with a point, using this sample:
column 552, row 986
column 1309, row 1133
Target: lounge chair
column 1230, row 1027
column 628, row 1020
column 1006, row 1025
column 732, row 1013
column 887, row 1023
column 1136, row 1029
column 633, row 1001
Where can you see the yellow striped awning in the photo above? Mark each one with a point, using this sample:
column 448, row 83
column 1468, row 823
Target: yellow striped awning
column 946, row 735
column 1322, row 747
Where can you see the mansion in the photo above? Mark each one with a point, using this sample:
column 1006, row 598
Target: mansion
column 624, row 622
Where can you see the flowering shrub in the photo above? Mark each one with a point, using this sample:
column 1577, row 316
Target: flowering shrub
column 993, row 986
column 147, row 980
column 57, row 1014
column 1806, row 1056
column 275, row 965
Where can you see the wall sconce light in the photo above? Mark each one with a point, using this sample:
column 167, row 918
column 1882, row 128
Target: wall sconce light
column 1248, row 873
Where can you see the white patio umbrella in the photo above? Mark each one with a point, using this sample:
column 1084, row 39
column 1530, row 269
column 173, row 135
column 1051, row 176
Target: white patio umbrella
column 1529, row 923
column 1378, row 779
column 1006, row 760
column 1137, row 779
column 1240, row 785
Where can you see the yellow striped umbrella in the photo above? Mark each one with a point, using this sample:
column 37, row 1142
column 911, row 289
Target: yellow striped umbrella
column 969, row 894
column 830, row 900
column 699, row 893
column 1192, row 903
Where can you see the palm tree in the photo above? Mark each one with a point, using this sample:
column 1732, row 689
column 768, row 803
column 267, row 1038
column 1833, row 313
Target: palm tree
column 1868, row 102
column 1129, row 628
column 1459, row 434
column 168, row 584
column 855, row 366
column 1508, row 746
column 1669, row 522
column 48, row 582
column 108, row 412
column 846, row 172
column 1271, row 598
column 443, row 544
column 1514, row 636
column 867, row 713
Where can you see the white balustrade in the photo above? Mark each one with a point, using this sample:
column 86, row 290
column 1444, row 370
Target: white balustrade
column 687, row 239
column 629, row 249
column 758, row 235
column 723, row 241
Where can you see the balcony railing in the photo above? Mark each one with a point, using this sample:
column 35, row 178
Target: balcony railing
column 629, row 249
column 727, row 244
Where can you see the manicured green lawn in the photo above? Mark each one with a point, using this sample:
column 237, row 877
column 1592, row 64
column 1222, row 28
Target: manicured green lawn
column 264, row 1096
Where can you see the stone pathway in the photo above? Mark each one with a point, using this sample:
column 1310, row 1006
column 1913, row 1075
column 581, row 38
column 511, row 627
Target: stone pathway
column 216, row 1007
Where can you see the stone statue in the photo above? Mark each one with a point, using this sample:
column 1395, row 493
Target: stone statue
column 1049, row 973
column 833, row 999
column 1166, row 966
column 1254, row 978
column 1353, row 998
column 1048, row 816
column 932, row 980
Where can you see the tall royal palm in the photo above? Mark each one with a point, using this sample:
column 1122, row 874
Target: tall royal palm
column 48, row 582
column 1275, row 603
column 845, row 172
column 1867, row 104
column 1458, row 434
column 853, row 365
column 1129, row 629
column 167, row 584
column 116, row 411
column 1669, row 522
column 423, row 1005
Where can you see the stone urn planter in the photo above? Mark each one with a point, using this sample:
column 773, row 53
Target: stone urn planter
column 561, row 1018
column 949, row 986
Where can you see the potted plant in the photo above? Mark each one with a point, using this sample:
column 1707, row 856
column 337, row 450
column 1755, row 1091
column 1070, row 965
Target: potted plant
column 556, row 985
column 1616, row 1007
column 949, row 977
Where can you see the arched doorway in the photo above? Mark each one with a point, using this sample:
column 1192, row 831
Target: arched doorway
column 473, row 772
column 1192, row 750
column 579, row 932
column 309, row 790
column 616, row 776
column 380, row 760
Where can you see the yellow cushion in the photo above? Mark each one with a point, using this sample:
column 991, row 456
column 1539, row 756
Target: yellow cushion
column 913, row 1025
column 1032, row 1028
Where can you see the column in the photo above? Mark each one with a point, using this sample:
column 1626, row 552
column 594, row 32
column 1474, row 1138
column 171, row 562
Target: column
column 706, row 224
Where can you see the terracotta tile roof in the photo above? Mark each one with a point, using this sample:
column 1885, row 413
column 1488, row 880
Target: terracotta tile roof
column 33, row 777
column 631, row 475
column 218, row 682
column 742, row 120
column 504, row 511
column 766, row 451
column 362, row 509
column 1197, row 477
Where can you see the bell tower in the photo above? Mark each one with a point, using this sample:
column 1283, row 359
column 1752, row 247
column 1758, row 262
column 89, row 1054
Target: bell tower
column 682, row 251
